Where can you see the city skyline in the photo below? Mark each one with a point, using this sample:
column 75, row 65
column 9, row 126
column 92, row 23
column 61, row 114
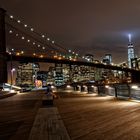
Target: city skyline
column 94, row 26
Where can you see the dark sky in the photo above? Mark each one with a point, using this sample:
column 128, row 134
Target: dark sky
column 86, row 26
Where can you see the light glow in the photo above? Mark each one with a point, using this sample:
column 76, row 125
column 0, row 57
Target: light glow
column 134, row 87
column 18, row 21
column 11, row 17
column 129, row 37
column 32, row 29
column 68, row 86
column 106, row 86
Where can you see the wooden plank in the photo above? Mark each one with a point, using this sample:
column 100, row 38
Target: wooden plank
column 47, row 97
column 48, row 126
column 47, row 100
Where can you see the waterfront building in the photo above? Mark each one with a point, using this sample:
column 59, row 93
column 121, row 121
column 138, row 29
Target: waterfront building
column 89, row 57
column 27, row 73
column 107, row 59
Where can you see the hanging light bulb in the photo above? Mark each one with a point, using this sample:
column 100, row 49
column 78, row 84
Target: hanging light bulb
column 25, row 25
column 43, row 36
column 18, row 21
column 28, row 40
column 32, row 29
column 10, row 32
column 48, row 39
column 22, row 52
column 16, row 34
column 38, row 45
column 43, row 48
column 33, row 43
column 11, row 17
column 23, row 37
column 52, row 42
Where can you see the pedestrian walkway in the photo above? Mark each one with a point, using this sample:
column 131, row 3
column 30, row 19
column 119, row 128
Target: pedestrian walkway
column 100, row 118
column 48, row 125
column 5, row 94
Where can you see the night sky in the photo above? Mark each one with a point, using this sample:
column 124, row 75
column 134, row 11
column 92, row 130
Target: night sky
column 86, row 26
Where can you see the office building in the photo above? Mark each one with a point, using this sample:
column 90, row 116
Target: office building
column 131, row 54
column 27, row 73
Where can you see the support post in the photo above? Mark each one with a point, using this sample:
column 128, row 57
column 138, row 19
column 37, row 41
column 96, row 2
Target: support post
column 3, row 57
column 116, row 95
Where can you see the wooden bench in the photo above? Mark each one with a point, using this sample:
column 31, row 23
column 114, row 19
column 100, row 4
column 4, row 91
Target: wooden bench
column 48, row 125
column 47, row 100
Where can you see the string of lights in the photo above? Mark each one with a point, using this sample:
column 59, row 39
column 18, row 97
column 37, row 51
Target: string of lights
column 27, row 40
column 45, row 38
column 33, row 38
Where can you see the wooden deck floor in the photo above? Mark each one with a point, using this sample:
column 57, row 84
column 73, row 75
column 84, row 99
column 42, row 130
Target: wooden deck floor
column 85, row 117
column 17, row 114
column 100, row 118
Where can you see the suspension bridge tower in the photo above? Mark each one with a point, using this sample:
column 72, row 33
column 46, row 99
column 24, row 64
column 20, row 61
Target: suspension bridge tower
column 3, row 56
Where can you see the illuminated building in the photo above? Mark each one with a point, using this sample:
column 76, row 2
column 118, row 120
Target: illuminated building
column 89, row 57
column 59, row 77
column 131, row 54
column 42, row 76
column 107, row 59
column 27, row 73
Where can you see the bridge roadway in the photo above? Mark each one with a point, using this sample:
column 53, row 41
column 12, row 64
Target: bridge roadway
column 65, row 61
column 86, row 117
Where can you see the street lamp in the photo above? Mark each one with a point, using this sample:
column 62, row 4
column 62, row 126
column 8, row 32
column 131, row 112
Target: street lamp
column 12, row 72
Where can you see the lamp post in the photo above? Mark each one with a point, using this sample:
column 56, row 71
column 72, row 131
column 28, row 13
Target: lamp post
column 12, row 72
column 12, row 69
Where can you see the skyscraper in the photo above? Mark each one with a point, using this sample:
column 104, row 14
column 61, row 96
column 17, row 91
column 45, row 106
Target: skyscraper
column 131, row 54
column 107, row 59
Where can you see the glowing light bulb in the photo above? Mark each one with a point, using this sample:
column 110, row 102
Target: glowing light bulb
column 25, row 25
column 22, row 52
column 43, row 36
column 11, row 17
column 48, row 39
column 10, row 31
column 41, row 56
column 32, row 29
column 23, row 37
column 18, row 21
column 52, row 42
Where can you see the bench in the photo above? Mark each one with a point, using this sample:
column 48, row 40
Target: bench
column 47, row 100
column 48, row 125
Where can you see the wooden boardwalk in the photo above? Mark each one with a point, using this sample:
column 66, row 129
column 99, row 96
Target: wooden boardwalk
column 48, row 125
column 17, row 114
column 85, row 117
column 100, row 118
